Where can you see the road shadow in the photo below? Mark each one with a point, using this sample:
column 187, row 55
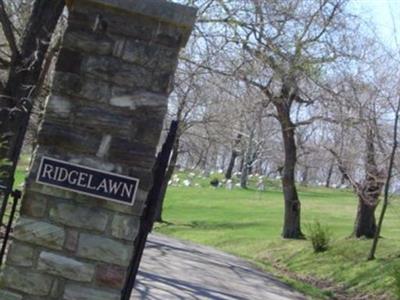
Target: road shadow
column 173, row 269
column 170, row 288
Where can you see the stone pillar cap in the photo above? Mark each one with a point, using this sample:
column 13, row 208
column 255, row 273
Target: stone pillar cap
column 169, row 12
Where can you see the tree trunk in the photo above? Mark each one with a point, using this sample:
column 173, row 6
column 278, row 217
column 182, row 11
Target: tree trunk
column 167, row 178
column 342, row 180
column 247, row 162
column 204, row 163
column 304, row 176
column 228, row 173
column 241, row 162
column 244, row 173
column 365, row 224
column 252, row 161
column 234, row 155
column 291, row 225
column 329, row 176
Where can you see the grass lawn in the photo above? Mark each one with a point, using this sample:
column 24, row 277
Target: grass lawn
column 19, row 178
column 248, row 223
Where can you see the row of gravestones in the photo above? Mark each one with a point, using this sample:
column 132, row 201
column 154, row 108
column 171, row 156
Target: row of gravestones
column 91, row 171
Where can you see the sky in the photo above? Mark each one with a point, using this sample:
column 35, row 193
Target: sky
column 380, row 13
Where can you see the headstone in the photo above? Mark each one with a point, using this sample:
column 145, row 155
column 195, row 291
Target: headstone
column 229, row 185
column 261, row 185
column 91, row 171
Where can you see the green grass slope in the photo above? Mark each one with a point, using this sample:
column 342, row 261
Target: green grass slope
column 248, row 223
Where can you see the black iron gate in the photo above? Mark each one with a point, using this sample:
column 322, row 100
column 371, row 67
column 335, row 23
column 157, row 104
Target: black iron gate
column 8, row 210
column 147, row 219
column 13, row 126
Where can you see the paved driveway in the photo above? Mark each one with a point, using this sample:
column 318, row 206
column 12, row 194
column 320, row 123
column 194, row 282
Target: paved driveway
column 173, row 269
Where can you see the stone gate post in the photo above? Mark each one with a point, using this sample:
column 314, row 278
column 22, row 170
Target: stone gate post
column 91, row 171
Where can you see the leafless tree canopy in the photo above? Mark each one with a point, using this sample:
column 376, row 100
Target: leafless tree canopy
column 298, row 91
column 295, row 90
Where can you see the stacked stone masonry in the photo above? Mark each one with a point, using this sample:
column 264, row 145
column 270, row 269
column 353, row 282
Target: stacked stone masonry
column 106, row 110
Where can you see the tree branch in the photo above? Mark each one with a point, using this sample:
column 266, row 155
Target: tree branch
column 47, row 64
column 4, row 63
column 8, row 31
column 342, row 168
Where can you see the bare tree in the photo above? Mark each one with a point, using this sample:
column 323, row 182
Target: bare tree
column 389, row 175
column 361, row 107
column 234, row 154
column 23, row 66
column 188, row 109
column 284, row 46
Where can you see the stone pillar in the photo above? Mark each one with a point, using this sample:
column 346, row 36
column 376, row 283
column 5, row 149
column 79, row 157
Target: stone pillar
column 106, row 110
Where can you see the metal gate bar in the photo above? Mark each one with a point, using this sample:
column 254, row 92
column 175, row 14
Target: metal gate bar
column 147, row 219
column 16, row 118
column 16, row 195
